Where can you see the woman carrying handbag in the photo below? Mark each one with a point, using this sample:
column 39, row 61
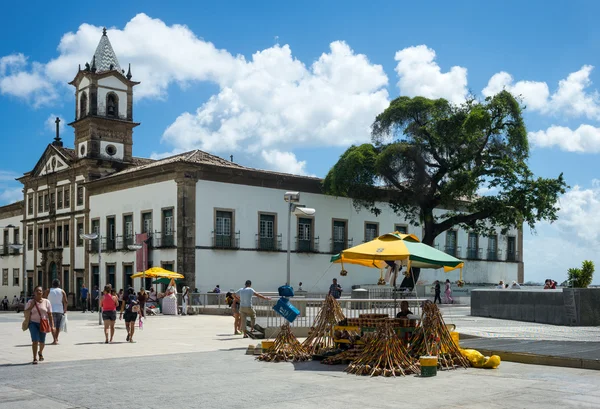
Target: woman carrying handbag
column 39, row 325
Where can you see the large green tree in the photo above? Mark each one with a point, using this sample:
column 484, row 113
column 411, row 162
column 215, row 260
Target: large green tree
column 430, row 154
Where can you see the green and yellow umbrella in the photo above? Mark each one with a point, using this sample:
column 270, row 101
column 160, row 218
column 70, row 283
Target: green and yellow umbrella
column 397, row 246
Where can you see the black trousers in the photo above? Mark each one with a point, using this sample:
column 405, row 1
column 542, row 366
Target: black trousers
column 437, row 297
column 84, row 305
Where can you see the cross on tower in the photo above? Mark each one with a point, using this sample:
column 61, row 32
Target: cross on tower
column 57, row 140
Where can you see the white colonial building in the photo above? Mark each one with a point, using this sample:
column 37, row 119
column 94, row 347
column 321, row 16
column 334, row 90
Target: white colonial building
column 213, row 220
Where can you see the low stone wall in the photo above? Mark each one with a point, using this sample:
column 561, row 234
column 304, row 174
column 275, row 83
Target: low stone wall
column 568, row 306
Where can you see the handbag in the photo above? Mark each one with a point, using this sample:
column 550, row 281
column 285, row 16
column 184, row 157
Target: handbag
column 44, row 323
column 25, row 323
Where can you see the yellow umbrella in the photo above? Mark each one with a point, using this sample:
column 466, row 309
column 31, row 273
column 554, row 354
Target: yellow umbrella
column 157, row 272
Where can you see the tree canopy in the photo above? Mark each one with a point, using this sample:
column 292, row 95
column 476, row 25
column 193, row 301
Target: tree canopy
column 430, row 154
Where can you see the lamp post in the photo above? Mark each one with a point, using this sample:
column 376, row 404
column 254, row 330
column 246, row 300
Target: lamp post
column 136, row 247
column 294, row 206
column 96, row 236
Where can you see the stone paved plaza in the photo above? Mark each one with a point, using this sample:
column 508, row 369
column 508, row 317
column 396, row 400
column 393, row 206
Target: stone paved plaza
column 195, row 362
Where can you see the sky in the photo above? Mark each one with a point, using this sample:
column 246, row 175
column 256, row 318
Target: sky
column 288, row 86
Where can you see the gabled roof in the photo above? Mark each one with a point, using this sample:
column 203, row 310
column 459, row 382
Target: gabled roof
column 195, row 156
column 66, row 158
column 105, row 58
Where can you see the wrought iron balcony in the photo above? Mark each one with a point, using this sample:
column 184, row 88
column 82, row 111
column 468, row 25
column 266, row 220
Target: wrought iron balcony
column 494, row 255
column 454, row 251
column 512, row 256
column 268, row 243
column 474, row 253
column 220, row 241
column 307, row 246
column 337, row 247
column 164, row 240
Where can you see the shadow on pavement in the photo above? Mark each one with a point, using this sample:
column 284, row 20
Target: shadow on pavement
column 234, row 349
column 21, row 364
column 317, row 366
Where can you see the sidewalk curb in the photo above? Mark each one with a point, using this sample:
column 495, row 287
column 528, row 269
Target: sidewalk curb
column 548, row 360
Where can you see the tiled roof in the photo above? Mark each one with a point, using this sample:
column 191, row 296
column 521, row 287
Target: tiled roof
column 67, row 152
column 196, row 157
column 105, row 55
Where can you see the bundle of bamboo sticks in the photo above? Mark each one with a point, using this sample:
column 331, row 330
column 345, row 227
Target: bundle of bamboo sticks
column 432, row 337
column 286, row 347
column 383, row 355
column 320, row 337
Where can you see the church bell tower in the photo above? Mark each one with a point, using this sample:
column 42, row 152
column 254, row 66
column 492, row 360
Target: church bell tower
column 104, row 108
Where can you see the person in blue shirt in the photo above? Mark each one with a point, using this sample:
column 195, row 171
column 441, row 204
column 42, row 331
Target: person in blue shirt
column 84, row 298
column 335, row 289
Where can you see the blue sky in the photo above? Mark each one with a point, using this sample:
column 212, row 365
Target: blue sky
column 288, row 86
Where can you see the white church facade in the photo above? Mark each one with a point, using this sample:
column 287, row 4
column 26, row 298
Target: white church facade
column 213, row 220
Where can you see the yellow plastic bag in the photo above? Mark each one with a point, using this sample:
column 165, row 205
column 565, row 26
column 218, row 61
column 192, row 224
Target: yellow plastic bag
column 477, row 359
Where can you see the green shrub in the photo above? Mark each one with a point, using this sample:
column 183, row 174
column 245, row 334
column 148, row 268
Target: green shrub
column 581, row 277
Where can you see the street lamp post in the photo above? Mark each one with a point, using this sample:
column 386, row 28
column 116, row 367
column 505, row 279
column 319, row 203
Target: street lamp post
column 136, row 247
column 96, row 236
column 293, row 200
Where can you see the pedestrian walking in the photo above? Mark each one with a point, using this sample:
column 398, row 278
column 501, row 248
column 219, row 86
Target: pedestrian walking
column 448, row 293
column 83, row 293
column 437, row 292
column 142, row 298
column 94, row 301
column 130, row 306
column 335, row 289
column 40, row 311
column 58, row 300
column 109, row 313
column 234, row 303
column 5, row 303
column 245, row 296
column 185, row 299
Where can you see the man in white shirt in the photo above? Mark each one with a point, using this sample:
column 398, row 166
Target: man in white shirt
column 244, row 296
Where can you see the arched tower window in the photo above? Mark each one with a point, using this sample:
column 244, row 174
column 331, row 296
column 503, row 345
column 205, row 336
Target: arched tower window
column 112, row 105
column 83, row 104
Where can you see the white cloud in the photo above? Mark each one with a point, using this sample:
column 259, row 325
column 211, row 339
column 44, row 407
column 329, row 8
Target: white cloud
column 10, row 195
column 285, row 162
column 270, row 101
column 420, row 75
column 50, row 123
column 569, row 99
column 275, row 101
column 21, row 81
column 586, row 138
column 574, row 237
column 10, row 191
column 579, row 214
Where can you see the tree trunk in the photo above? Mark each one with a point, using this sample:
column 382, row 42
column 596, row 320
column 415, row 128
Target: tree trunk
column 429, row 236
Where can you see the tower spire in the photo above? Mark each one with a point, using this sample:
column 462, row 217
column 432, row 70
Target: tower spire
column 106, row 59
column 129, row 72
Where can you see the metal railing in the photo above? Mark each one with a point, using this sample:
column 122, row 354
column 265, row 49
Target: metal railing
column 308, row 307
column 220, row 241
column 494, row 255
column 474, row 253
column 512, row 256
column 337, row 247
column 164, row 240
column 307, row 246
column 454, row 251
column 268, row 243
